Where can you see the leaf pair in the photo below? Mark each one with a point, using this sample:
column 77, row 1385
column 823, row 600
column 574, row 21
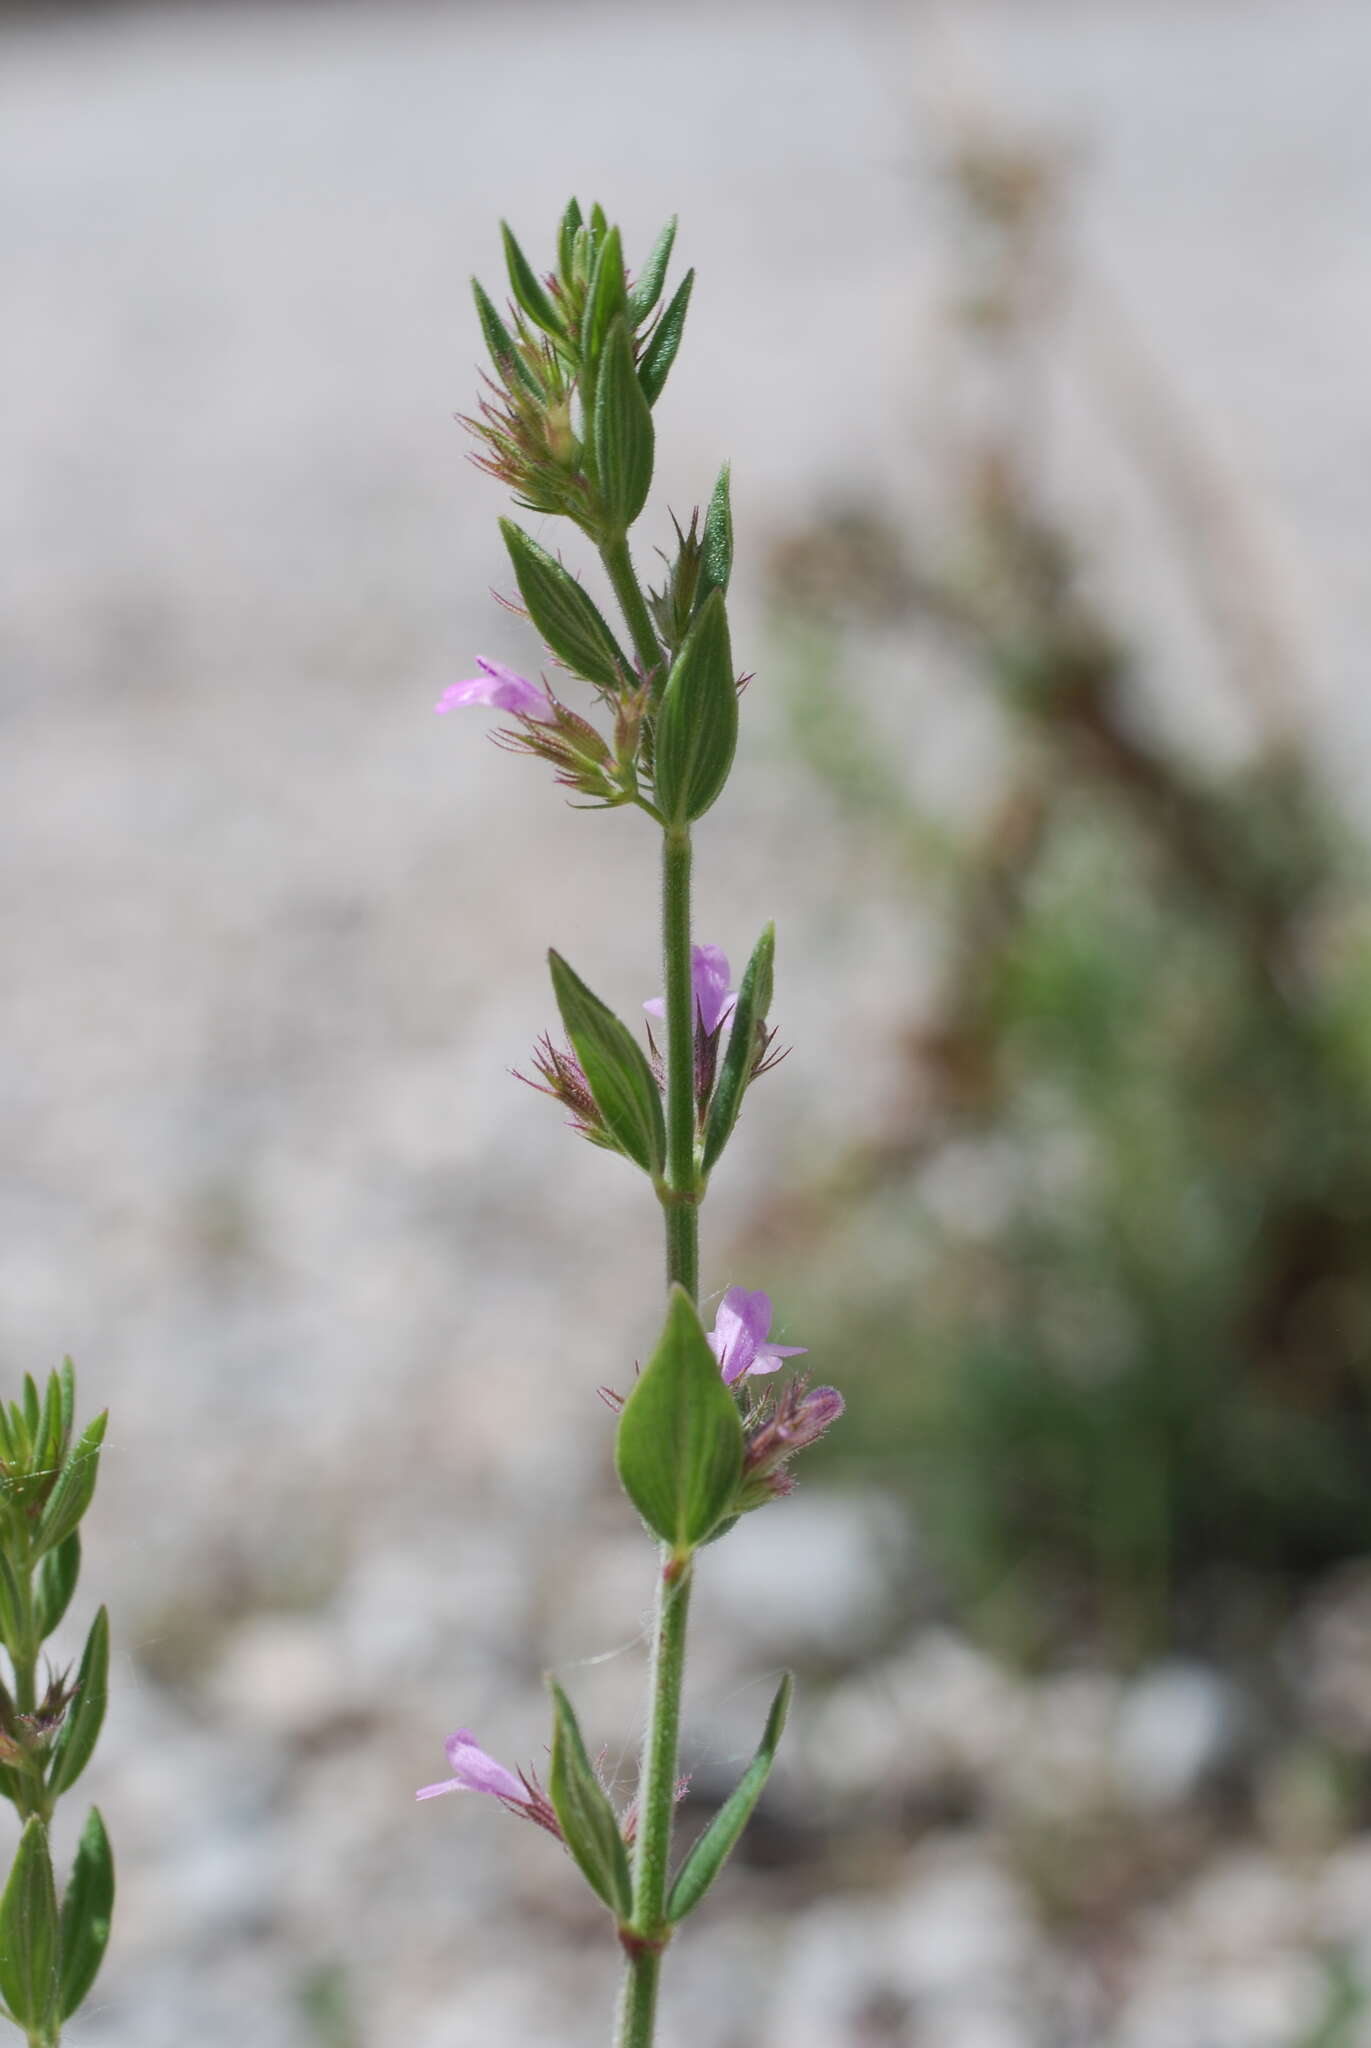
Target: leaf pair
column 49, row 1960
column 593, row 1832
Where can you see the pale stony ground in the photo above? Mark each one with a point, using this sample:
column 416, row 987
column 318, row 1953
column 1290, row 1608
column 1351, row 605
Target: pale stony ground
column 272, row 938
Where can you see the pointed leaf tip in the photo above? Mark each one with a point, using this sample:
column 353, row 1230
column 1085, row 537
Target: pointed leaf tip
column 716, row 1844
column 588, row 1821
column 679, row 1450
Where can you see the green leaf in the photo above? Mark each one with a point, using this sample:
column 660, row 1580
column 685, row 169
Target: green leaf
column 697, row 724
column 11, row 1609
column 528, row 291
column 76, row 1737
column 598, row 222
column 50, row 1433
column 500, row 342
column 568, row 620
column 33, row 1410
column 588, row 1821
column 679, row 1450
column 623, row 438
column 566, row 239
column 648, row 289
column 55, row 1584
column 716, row 542
column 71, row 1496
column 660, row 353
column 616, row 1069
column 86, row 1912
column 715, row 1845
column 605, row 300
column 754, row 1001
column 29, row 1939
column 67, row 1376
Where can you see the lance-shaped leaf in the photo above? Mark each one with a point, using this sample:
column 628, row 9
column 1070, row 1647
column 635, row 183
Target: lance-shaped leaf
column 648, row 289
column 500, row 342
column 71, row 1496
column 12, row 1626
column 679, row 1449
column 566, row 239
column 715, row 1845
column 587, row 1819
column 660, row 353
column 716, row 542
column 29, row 1940
column 616, row 1069
column 605, row 299
column 528, row 291
column 55, row 1584
column 623, row 436
column 77, row 1735
column 697, row 725
column 67, row 1383
column 86, row 1912
column 754, row 1002
column 569, row 620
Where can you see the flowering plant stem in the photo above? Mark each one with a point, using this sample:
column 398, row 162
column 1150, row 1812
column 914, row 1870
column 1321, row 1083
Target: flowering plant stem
column 680, row 1209
column 694, row 1451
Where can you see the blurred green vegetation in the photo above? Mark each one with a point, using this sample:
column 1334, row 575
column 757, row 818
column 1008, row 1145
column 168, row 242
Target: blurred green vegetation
column 1104, row 1276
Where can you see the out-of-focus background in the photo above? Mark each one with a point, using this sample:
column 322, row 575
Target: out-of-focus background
column 1037, row 333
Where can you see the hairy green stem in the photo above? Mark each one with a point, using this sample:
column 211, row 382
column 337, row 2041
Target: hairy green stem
column 656, row 1810
column 648, row 1932
column 619, row 568
column 682, row 1179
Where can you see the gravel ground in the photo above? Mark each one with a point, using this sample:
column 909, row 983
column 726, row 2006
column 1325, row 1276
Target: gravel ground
column 274, row 938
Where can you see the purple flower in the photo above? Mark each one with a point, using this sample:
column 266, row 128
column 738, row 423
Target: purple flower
column 714, row 999
column 501, row 687
column 476, row 1772
column 738, row 1339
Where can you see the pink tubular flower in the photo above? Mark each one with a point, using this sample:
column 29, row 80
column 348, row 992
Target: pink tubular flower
column 476, row 1772
column 501, row 688
column 714, row 999
column 739, row 1337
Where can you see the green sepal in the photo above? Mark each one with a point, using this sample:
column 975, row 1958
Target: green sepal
column 500, row 342
column 29, row 1936
column 566, row 239
column 660, row 353
column 648, row 289
column 616, row 1070
column 754, row 1002
column 716, row 542
column 569, row 620
column 623, row 438
column 697, row 725
column 71, row 1495
column 709, row 1854
column 679, row 1449
column 605, row 299
column 77, row 1735
column 528, row 291
column 87, row 1908
column 55, row 1584
column 588, row 1821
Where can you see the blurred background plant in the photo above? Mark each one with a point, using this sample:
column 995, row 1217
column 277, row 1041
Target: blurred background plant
column 1122, row 1366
